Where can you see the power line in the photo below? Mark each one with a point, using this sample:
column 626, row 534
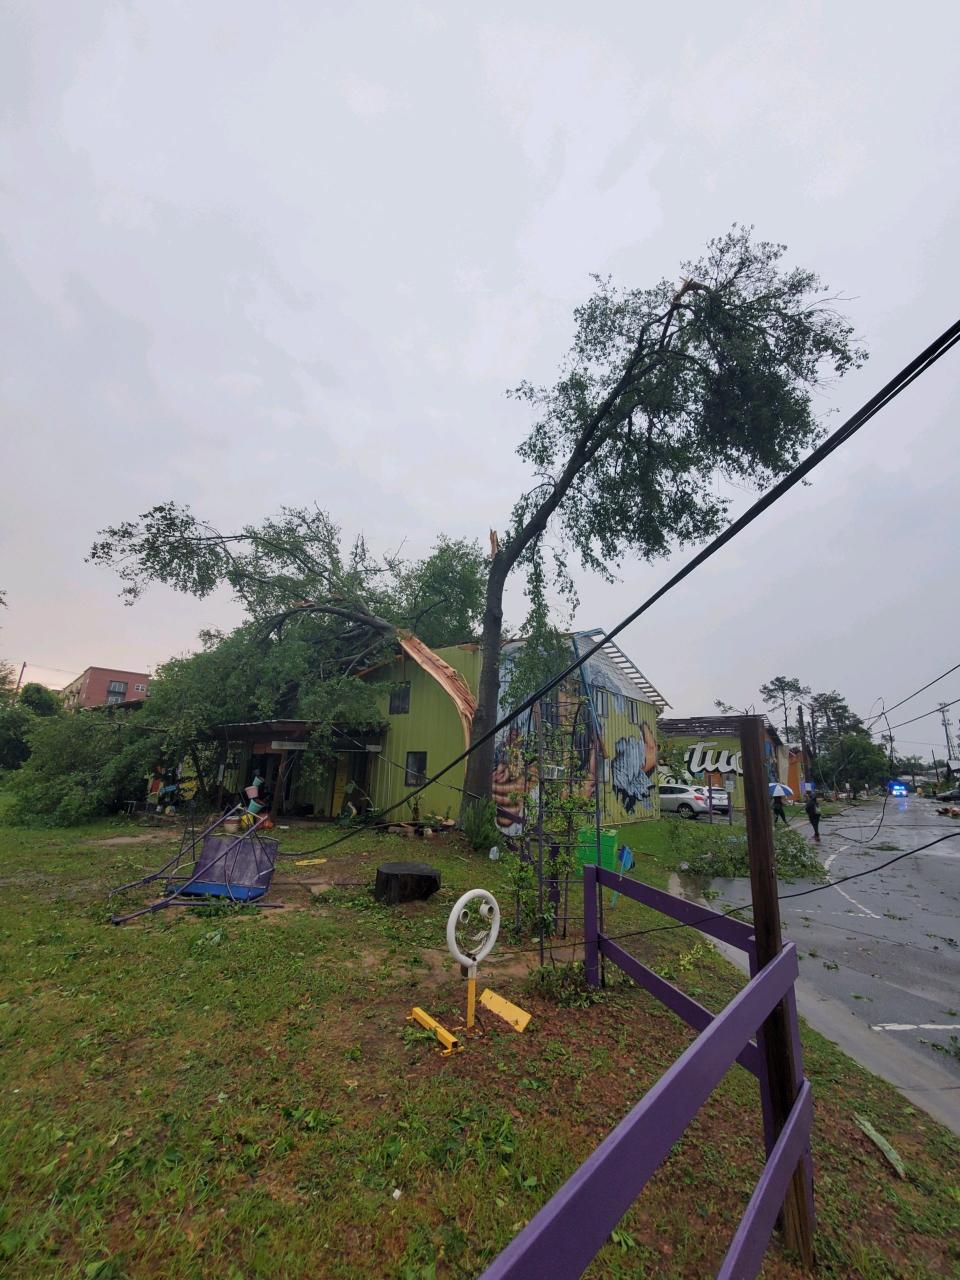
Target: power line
column 936, row 711
column 783, row 897
column 922, row 689
column 909, row 373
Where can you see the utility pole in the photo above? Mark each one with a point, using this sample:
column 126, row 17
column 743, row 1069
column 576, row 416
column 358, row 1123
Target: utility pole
column 951, row 751
column 779, row 1051
column 804, row 753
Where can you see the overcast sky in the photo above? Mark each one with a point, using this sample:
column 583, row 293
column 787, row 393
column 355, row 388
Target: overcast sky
column 257, row 255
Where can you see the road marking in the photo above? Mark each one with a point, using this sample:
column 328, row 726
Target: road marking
column 859, row 905
column 862, row 910
column 916, row 1026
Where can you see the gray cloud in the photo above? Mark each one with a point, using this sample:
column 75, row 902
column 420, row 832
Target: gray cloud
column 254, row 258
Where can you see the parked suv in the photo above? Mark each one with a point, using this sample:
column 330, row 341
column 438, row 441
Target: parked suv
column 690, row 802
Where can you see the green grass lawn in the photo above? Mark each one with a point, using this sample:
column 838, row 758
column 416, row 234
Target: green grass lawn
column 238, row 1094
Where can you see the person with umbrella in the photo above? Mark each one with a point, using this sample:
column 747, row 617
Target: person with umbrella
column 778, row 790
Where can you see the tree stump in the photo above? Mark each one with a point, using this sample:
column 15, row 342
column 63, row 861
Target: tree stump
column 405, row 882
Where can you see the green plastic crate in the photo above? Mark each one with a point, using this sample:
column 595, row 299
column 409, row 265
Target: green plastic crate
column 586, row 849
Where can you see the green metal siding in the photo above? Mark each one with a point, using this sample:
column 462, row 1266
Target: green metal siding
column 715, row 748
column 431, row 725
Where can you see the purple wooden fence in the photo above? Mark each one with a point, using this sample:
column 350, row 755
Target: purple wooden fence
column 571, row 1228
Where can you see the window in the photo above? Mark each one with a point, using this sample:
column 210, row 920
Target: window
column 140, row 688
column 400, row 700
column 116, row 692
column 416, row 767
column 600, row 700
column 634, row 711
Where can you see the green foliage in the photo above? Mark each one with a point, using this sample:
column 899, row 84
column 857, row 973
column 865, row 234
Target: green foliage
column 40, row 700
column 714, row 851
column 8, row 681
column 80, row 766
column 480, row 824
column 910, row 766
column 672, row 759
column 664, row 391
column 546, row 650
column 854, row 761
column 783, row 692
column 565, row 985
column 831, row 719
column 295, row 559
column 525, row 919
column 440, row 598
column 15, row 725
column 320, row 612
column 675, row 384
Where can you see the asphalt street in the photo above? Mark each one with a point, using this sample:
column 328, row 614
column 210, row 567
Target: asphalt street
column 883, row 950
column 888, row 944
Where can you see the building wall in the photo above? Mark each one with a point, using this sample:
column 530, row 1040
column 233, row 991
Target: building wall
column 614, row 742
column 91, row 688
column 795, row 773
column 431, row 725
column 712, row 759
column 628, row 790
column 626, row 767
column 623, row 754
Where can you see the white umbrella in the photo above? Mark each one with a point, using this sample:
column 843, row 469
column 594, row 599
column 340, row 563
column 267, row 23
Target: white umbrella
column 781, row 789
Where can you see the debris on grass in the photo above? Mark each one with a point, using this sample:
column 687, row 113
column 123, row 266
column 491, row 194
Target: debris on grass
column 880, row 1142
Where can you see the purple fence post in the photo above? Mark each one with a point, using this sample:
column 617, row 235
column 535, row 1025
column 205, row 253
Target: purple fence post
column 560, row 1241
column 766, row 1099
column 807, row 1157
column 591, row 953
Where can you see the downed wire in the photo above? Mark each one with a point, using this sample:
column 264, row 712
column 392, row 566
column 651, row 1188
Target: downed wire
column 938, row 348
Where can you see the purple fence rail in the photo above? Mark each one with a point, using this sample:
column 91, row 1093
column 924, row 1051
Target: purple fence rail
column 571, row 1228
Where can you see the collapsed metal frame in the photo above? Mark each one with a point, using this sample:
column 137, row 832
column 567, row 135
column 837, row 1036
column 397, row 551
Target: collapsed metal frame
column 187, row 852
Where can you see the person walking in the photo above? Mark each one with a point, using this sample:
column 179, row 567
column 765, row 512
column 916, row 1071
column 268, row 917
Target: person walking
column 813, row 813
column 779, row 813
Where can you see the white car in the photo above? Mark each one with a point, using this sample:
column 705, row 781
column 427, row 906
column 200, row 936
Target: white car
column 690, row 802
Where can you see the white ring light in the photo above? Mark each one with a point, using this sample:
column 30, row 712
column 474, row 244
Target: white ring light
column 489, row 912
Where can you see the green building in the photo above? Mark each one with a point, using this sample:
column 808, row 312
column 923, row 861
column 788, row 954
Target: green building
column 710, row 750
column 610, row 705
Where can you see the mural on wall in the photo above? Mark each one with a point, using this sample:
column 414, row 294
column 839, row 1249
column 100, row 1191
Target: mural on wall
column 515, row 785
column 698, row 758
column 634, row 764
column 707, row 757
column 692, row 761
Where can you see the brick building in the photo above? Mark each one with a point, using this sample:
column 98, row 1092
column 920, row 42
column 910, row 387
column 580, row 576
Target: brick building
column 105, row 686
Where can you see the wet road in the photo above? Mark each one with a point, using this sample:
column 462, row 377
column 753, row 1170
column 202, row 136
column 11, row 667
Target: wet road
column 885, row 947
column 894, row 935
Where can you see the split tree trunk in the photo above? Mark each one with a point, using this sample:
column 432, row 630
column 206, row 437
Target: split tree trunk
column 478, row 783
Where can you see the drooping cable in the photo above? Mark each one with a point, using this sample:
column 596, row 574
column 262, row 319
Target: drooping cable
column 909, row 373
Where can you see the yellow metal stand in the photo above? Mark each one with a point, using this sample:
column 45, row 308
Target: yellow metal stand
column 512, row 1013
column 449, row 1041
column 471, row 999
